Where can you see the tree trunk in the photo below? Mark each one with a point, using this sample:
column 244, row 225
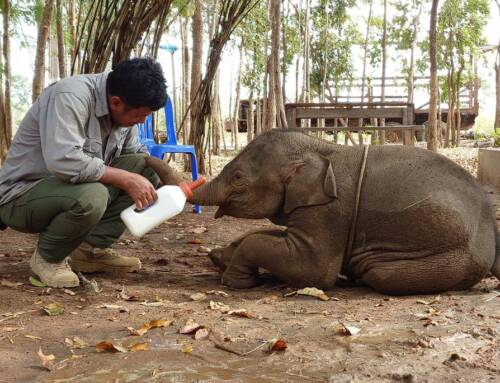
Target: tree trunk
column 432, row 127
column 236, row 112
column 265, row 94
column 60, row 40
column 258, row 112
column 298, row 96
column 324, row 69
column 411, row 69
column 278, row 92
column 272, row 66
column 71, row 29
column 250, row 118
column 297, row 72
column 497, row 77
column 53, row 59
column 448, row 118
column 305, row 85
column 185, row 81
column 197, row 36
column 43, row 34
column 384, row 62
column 7, row 110
column 365, row 54
column 283, row 44
column 458, row 117
column 215, row 117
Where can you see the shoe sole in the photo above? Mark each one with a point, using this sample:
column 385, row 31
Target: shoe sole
column 87, row 267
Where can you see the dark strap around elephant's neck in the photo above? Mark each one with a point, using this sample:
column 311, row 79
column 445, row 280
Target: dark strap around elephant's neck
column 354, row 219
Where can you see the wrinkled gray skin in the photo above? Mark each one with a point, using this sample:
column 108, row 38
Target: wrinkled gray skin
column 424, row 224
column 167, row 175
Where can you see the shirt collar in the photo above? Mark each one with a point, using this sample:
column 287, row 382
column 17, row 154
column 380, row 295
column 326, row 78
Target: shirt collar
column 102, row 97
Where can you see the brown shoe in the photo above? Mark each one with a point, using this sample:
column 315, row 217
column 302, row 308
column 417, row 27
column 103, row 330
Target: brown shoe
column 88, row 259
column 53, row 274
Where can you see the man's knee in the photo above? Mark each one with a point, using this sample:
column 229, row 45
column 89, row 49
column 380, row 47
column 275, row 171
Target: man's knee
column 92, row 202
column 135, row 163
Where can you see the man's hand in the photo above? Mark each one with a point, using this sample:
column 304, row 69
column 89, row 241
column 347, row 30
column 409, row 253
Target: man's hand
column 136, row 186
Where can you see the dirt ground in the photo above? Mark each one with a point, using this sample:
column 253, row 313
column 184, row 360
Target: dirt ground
column 355, row 336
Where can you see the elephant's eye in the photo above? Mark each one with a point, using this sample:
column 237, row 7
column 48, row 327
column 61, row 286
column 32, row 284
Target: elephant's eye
column 237, row 177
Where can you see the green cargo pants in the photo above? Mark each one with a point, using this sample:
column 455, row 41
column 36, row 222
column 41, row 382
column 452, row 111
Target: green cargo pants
column 67, row 214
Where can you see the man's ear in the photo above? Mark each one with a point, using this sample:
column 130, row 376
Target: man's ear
column 115, row 102
column 308, row 182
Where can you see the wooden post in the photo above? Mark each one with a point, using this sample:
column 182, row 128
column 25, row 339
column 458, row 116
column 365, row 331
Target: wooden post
column 291, row 116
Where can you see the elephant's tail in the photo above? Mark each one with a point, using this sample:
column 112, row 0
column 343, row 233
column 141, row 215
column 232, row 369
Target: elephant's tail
column 495, row 269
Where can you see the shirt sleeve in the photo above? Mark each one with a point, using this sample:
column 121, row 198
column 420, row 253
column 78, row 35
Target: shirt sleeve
column 62, row 134
column 132, row 144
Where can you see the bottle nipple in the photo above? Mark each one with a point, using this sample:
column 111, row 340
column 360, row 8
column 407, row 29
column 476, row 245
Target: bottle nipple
column 188, row 187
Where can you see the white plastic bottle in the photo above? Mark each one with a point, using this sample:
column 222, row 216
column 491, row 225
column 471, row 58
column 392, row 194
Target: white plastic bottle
column 170, row 202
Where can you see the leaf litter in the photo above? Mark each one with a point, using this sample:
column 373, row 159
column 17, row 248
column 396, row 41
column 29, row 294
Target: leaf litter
column 157, row 323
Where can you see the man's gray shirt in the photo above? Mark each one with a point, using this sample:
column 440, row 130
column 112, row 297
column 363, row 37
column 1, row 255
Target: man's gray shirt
column 61, row 136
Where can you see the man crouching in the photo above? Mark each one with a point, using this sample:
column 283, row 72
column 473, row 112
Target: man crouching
column 75, row 163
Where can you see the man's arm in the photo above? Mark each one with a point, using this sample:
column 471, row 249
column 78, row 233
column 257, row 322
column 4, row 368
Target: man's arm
column 135, row 185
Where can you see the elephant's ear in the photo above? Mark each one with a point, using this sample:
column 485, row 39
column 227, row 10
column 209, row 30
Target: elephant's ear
column 309, row 182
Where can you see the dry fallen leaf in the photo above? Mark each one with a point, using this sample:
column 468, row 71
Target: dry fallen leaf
column 47, row 360
column 218, row 293
column 126, row 297
column 69, row 292
column 201, row 334
column 53, row 309
column 195, row 242
column 203, row 250
column 109, row 347
column 190, row 327
column 155, row 304
column 139, row 347
column 198, row 296
column 276, row 345
column 109, row 306
column 157, row 323
column 342, row 329
column 198, row 230
column 76, row 342
column 219, row 306
column 32, row 337
column 187, row 348
column 6, row 283
column 435, row 300
column 241, row 313
column 313, row 292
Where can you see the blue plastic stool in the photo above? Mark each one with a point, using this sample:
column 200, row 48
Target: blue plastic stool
column 146, row 136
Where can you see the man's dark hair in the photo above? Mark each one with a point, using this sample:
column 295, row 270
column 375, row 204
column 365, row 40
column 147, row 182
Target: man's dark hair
column 139, row 82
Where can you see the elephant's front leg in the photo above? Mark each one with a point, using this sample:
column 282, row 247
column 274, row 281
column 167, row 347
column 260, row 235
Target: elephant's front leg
column 221, row 256
column 297, row 262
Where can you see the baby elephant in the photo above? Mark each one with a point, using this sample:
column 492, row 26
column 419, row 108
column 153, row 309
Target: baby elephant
column 399, row 219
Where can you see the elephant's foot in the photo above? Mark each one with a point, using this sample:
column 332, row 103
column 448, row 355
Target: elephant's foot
column 221, row 257
column 235, row 278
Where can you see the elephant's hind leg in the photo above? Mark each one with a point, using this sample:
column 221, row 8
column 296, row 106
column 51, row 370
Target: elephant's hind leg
column 454, row 270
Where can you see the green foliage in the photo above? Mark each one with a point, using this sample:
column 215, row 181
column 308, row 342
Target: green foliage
column 252, row 31
column 332, row 39
column 459, row 34
column 184, row 8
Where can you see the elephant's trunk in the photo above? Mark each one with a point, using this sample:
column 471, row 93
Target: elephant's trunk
column 210, row 194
